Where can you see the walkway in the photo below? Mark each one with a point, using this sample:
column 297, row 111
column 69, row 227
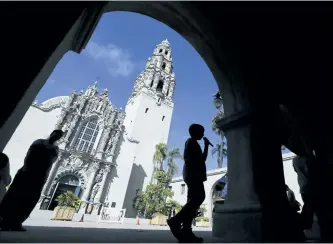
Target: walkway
column 48, row 231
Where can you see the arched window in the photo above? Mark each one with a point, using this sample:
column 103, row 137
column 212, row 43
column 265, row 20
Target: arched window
column 166, row 52
column 159, row 86
column 163, row 66
column 161, row 50
column 70, row 180
column 87, row 136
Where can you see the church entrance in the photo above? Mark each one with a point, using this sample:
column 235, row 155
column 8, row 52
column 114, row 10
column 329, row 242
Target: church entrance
column 66, row 183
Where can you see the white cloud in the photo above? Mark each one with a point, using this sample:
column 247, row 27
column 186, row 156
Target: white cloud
column 117, row 60
column 51, row 82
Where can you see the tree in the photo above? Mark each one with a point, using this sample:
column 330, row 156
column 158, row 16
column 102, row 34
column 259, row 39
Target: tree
column 220, row 148
column 68, row 199
column 172, row 167
column 159, row 157
column 173, row 205
column 154, row 198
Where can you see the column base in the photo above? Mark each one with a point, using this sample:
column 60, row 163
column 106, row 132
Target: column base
column 252, row 224
column 97, row 208
column 242, row 224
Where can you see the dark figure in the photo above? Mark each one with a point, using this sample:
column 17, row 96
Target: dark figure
column 294, row 204
column 5, row 177
column 303, row 167
column 26, row 188
column 295, row 207
column 194, row 174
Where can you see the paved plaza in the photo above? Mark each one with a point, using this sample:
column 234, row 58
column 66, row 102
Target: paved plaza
column 48, row 231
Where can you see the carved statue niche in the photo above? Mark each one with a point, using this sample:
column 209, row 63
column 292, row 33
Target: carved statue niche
column 78, row 163
column 66, row 162
column 94, row 191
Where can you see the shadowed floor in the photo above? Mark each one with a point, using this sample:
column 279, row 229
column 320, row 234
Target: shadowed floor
column 75, row 232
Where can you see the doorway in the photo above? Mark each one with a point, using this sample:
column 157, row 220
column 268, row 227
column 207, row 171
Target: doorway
column 66, row 183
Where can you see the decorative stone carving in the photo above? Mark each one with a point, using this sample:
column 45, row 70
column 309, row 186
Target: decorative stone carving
column 71, row 127
column 94, row 191
column 52, row 174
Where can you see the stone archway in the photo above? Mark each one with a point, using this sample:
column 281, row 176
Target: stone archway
column 71, row 172
column 68, row 180
column 213, row 194
column 71, row 30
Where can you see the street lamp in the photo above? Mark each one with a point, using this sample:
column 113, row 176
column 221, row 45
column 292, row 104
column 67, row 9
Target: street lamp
column 217, row 100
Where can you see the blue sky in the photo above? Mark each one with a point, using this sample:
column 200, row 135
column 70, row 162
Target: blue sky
column 116, row 54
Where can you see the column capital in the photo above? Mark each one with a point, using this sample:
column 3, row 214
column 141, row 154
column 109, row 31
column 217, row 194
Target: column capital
column 234, row 120
column 95, row 166
column 106, row 169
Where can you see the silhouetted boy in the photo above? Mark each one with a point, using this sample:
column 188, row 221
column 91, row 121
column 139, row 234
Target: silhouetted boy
column 194, row 174
column 26, row 188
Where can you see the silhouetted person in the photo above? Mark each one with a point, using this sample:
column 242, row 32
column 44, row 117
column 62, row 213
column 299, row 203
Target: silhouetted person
column 194, row 174
column 5, row 177
column 294, row 204
column 303, row 165
column 295, row 207
column 26, row 188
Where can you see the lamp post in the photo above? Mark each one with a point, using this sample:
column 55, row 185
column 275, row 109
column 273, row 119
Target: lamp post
column 217, row 100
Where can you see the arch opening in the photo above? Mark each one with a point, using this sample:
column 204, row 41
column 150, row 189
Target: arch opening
column 66, row 183
column 159, row 87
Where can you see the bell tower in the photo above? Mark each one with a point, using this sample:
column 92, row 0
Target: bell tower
column 147, row 123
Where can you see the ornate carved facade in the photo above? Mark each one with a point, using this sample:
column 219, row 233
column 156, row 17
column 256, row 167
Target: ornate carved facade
column 92, row 129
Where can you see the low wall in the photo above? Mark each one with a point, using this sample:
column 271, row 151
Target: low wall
column 47, row 214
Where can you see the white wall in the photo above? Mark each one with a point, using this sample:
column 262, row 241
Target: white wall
column 214, row 175
column 36, row 124
column 291, row 176
column 149, row 129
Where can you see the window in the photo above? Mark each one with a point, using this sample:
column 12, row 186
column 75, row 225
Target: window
column 161, row 50
column 147, row 110
column 163, row 66
column 113, row 204
column 87, row 136
column 159, row 86
column 166, row 52
column 159, row 99
column 170, row 187
column 182, row 189
column 163, row 118
column 152, row 83
column 167, row 92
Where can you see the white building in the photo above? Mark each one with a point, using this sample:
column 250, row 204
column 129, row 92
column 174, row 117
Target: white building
column 178, row 186
column 105, row 154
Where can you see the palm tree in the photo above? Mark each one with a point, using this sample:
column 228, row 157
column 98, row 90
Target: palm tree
column 172, row 167
column 159, row 157
column 220, row 148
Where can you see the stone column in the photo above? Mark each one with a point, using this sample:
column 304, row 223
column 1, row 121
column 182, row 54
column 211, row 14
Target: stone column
column 71, row 127
column 171, row 88
column 113, row 144
column 91, row 180
column 52, row 175
column 106, row 172
column 98, row 204
column 105, row 136
column 256, row 208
